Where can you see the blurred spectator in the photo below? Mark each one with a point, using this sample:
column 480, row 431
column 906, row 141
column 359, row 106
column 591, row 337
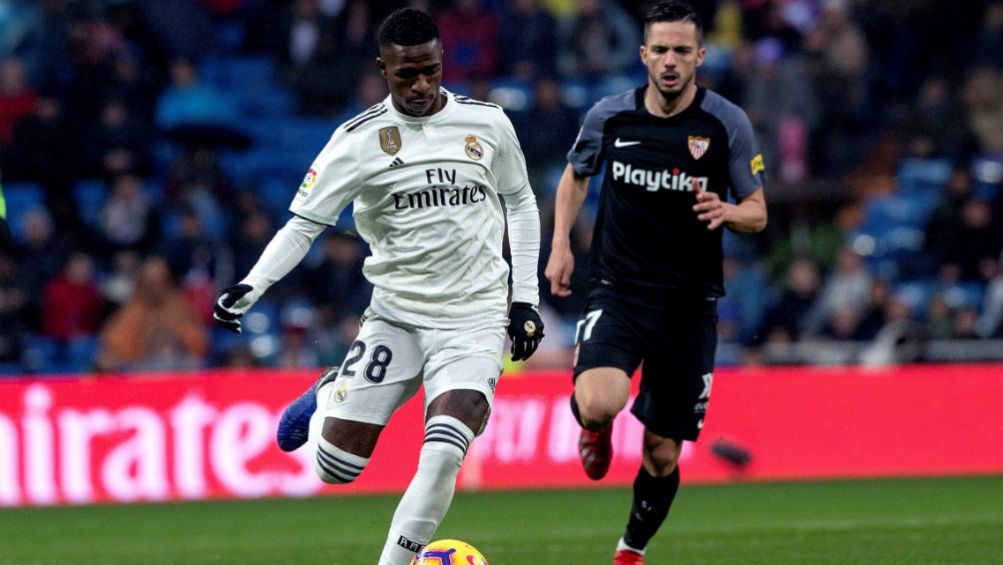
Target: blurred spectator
column 129, row 219
column 119, row 284
column 784, row 321
column 297, row 350
column 42, row 255
column 875, row 315
column 984, row 107
column 307, row 30
column 197, row 178
column 15, row 313
column 964, row 325
column 17, row 97
column 469, row 34
column 118, row 144
column 987, row 43
column 599, row 41
column 186, row 101
column 546, row 131
column 71, row 304
column 781, row 104
column 40, row 149
column 746, row 293
column 155, row 329
column 182, row 27
column 529, row 36
column 371, row 89
column 197, row 262
column 326, row 82
column 345, row 288
column 938, row 318
column 840, row 57
column 990, row 323
column 976, row 236
column 940, row 132
column 253, row 234
column 844, row 295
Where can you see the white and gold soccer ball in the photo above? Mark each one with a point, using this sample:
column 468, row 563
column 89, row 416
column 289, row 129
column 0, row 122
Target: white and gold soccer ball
column 449, row 552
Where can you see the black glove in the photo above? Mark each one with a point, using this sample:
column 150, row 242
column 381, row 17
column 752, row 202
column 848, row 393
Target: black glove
column 231, row 305
column 525, row 327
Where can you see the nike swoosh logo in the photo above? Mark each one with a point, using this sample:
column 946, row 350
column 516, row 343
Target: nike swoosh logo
column 618, row 143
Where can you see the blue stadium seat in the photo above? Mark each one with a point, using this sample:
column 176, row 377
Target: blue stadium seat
column 915, row 293
column 22, row 198
column 515, row 95
column 80, row 353
column 42, row 354
column 964, row 295
column 11, row 370
column 90, row 196
column 921, row 175
column 234, row 73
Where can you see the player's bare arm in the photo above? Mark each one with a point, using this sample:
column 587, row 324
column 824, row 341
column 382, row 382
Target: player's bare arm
column 748, row 216
column 571, row 192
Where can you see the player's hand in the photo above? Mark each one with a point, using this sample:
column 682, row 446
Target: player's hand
column 525, row 327
column 710, row 208
column 231, row 305
column 559, row 268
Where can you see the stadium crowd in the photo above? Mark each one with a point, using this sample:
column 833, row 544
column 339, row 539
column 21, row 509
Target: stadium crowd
column 149, row 151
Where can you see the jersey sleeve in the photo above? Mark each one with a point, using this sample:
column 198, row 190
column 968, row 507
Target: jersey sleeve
column 745, row 162
column 585, row 155
column 334, row 180
column 509, row 166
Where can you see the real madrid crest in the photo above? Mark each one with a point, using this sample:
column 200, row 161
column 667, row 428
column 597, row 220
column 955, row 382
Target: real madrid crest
column 698, row 145
column 473, row 149
column 390, row 140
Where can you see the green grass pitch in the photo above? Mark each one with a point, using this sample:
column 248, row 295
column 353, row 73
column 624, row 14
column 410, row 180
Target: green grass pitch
column 949, row 521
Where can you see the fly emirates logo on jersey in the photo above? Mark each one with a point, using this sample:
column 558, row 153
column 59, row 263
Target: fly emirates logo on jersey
column 439, row 195
column 653, row 181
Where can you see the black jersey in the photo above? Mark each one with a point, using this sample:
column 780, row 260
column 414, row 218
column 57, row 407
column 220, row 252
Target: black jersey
column 648, row 240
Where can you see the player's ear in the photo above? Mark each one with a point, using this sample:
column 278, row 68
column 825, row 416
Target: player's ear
column 382, row 66
column 644, row 55
column 701, row 53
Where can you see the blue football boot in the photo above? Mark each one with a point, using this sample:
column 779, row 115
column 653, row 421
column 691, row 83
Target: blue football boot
column 294, row 426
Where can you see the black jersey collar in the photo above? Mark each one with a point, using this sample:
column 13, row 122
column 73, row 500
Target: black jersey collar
column 697, row 101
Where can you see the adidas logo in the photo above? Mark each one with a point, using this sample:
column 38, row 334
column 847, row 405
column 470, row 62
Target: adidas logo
column 397, row 162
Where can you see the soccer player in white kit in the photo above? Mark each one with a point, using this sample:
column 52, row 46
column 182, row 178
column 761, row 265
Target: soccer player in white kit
column 426, row 171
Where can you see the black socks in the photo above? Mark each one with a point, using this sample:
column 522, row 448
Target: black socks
column 652, row 498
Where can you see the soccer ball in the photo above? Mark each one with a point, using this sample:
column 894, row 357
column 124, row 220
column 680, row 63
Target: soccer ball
column 449, row 552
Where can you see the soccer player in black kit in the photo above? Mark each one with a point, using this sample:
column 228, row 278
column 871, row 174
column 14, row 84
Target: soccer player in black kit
column 673, row 152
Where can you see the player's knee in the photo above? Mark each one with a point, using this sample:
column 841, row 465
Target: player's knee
column 661, row 456
column 336, row 466
column 597, row 413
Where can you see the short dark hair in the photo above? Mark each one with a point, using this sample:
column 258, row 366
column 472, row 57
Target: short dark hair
column 673, row 12
column 407, row 26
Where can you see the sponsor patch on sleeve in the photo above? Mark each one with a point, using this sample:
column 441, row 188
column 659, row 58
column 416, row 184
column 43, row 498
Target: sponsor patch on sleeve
column 757, row 164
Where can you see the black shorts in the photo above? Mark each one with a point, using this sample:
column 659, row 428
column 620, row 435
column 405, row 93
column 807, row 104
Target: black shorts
column 676, row 344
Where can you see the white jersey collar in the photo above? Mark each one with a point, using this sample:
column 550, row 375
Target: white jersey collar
column 434, row 118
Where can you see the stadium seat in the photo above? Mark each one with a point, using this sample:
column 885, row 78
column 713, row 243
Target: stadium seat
column 515, row 95
column 921, row 175
column 90, row 196
column 42, row 354
column 22, row 198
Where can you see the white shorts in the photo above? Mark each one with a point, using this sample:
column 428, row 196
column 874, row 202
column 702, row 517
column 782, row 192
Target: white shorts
column 387, row 363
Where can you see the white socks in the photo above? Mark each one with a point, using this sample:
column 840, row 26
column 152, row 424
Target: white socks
column 337, row 466
column 427, row 498
column 622, row 545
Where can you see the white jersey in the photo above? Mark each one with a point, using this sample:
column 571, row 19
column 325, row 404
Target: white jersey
column 426, row 200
